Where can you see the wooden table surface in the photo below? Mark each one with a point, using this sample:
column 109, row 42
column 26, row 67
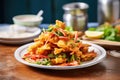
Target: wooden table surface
column 11, row 69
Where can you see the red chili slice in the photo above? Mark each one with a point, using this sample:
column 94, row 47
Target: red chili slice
column 76, row 36
column 27, row 55
column 63, row 38
column 33, row 57
column 43, row 56
column 62, row 31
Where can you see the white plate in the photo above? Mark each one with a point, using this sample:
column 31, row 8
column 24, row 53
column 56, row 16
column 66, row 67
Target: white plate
column 18, row 40
column 101, row 54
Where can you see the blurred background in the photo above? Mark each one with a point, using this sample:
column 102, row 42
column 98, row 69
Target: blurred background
column 52, row 9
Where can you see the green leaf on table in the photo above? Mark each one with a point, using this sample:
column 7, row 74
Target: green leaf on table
column 110, row 33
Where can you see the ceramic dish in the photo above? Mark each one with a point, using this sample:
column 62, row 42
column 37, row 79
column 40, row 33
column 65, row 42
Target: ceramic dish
column 28, row 20
column 109, row 45
column 18, row 40
column 102, row 42
column 101, row 54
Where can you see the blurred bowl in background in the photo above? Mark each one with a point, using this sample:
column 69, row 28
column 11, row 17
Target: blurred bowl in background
column 28, row 20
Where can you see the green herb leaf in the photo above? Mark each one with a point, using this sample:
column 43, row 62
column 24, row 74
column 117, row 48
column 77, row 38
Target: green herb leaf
column 51, row 55
column 64, row 55
column 69, row 28
column 72, row 57
column 92, row 29
column 44, row 62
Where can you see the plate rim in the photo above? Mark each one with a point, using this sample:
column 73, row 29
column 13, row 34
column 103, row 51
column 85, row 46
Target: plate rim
column 35, row 33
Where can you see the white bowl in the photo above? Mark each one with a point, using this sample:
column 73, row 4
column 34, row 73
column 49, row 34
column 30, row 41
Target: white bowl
column 27, row 20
